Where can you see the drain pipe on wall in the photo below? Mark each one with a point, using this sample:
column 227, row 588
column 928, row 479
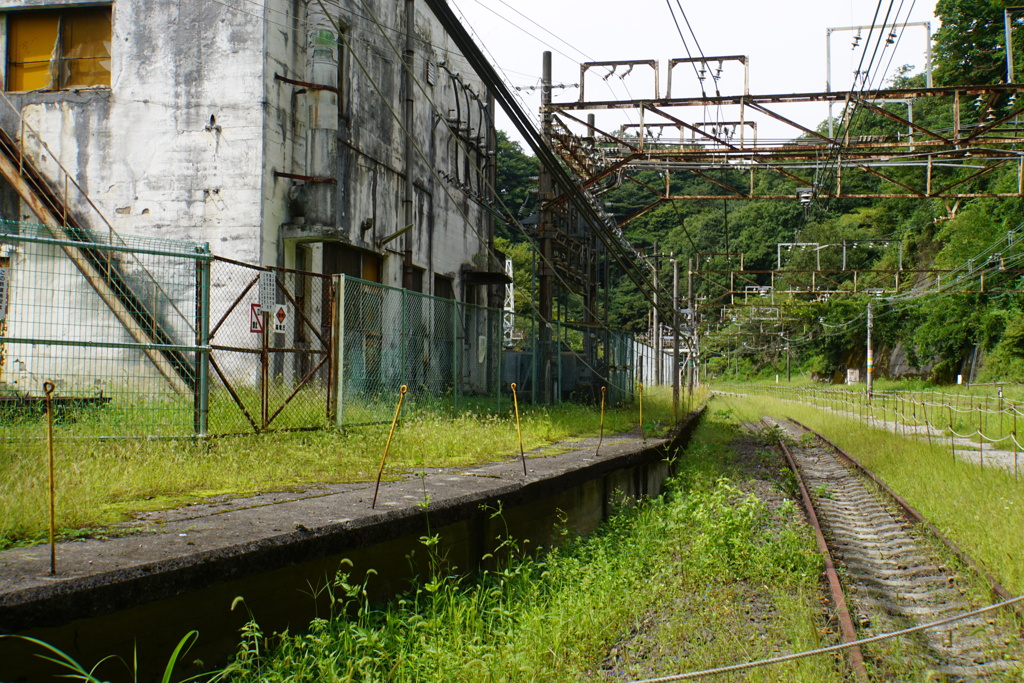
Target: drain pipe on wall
column 408, row 194
column 322, row 100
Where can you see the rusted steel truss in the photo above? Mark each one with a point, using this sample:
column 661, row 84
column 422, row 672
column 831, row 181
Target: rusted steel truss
column 742, row 287
column 914, row 162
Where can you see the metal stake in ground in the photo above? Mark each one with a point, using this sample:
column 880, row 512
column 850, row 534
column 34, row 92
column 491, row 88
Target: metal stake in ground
column 600, row 438
column 519, row 427
column 641, row 394
column 981, row 444
column 387, row 447
column 48, row 388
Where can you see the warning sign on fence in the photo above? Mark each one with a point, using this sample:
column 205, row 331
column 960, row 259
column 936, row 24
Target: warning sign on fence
column 255, row 319
column 282, row 314
column 268, row 290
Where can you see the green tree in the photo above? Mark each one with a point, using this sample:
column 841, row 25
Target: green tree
column 970, row 47
column 515, row 186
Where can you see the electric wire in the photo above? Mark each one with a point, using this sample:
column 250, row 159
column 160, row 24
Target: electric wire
column 366, row 73
column 686, row 47
column 423, row 158
column 533, row 35
column 898, row 39
column 835, row 648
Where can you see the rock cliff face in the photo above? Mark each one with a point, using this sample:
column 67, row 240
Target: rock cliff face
column 891, row 364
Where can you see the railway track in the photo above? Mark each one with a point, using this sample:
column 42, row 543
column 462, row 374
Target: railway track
column 892, row 577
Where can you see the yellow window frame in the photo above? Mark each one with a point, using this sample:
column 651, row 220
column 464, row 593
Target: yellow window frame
column 59, row 49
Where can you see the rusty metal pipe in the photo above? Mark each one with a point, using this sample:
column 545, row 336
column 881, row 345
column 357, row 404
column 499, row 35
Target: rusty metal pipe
column 48, row 388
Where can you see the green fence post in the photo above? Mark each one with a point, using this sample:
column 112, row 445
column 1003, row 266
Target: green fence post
column 202, row 387
column 501, row 358
column 337, row 376
column 558, row 362
column 405, row 335
column 455, row 354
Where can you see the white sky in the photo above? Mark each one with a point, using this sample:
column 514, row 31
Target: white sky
column 785, row 41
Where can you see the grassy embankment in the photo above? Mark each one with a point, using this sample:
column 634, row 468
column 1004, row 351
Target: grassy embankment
column 981, row 509
column 101, row 482
column 724, row 579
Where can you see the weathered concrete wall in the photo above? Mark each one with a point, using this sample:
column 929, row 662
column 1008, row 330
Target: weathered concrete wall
column 449, row 231
column 173, row 147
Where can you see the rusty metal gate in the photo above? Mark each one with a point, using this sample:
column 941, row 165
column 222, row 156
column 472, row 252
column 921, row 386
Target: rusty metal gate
column 271, row 347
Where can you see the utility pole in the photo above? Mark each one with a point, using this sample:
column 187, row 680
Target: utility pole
column 675, row 340
column 693, row 329
column 789, row 376
column 725, row 217
column 545, row 230
column 871, row 352
column 408, row 190
column 656, row 320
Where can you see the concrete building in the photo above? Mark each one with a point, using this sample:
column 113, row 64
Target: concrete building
column 275, row 130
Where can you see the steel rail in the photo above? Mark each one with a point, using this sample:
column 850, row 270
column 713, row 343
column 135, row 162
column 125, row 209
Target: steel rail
column 834, row 584
column 913, row 516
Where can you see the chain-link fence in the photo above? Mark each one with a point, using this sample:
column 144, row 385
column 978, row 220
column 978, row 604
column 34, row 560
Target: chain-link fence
column 148, row 337
column 112, row 322
column 271, row 348
column 579, row 360
column 447, row 353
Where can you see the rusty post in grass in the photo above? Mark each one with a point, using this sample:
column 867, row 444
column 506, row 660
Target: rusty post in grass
column 1013, row 437
column 981, row 444
column 927, row 421
column 641, row 394
column 903, row 414
column 1000, row 410
column 519, row 427
column 48, row 388
column 387, row 446
column 952, row 443
column 600, row 438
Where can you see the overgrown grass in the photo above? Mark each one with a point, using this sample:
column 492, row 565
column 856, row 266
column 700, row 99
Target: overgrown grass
column 703, row 576
column 981, row 509
column 99, row 483
column 965, row 412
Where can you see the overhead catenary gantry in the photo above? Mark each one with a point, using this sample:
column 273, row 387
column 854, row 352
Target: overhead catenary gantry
column 675, row 134
column 720, row 139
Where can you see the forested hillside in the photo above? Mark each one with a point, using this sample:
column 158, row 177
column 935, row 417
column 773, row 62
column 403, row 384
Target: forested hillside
column 919, row 329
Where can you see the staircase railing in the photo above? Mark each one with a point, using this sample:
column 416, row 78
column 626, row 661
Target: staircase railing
column 50, row 201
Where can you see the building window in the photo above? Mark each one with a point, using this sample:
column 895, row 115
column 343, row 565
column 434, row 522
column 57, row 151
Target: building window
column 443, row 288
column 417, row 280
column 339, row 258
column 58, row 49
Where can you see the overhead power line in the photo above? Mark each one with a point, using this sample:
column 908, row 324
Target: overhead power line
column 603, row 227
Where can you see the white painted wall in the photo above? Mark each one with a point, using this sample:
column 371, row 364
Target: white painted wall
column 185, row 142
column 70, row 311
column 147, row 151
